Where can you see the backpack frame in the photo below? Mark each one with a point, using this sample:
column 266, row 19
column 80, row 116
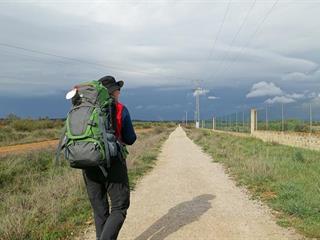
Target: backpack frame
column 88, row 137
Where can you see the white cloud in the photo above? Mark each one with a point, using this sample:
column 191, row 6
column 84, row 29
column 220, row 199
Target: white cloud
column 292, row 97
column 312, row 95
column 213, row 97
column 295, row 76
column 315, row 104
column 296, row 95
column 312, row 75
column 262, row 89
column 280, row 99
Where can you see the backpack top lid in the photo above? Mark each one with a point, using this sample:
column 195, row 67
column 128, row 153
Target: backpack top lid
column 93, row 93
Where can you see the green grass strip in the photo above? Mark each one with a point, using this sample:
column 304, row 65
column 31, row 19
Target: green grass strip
column 286, row 178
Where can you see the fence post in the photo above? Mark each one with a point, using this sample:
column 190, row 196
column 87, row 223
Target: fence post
column 282, row 118
column 310, row 119
column 253, row 120
column 242, row 121
column 213, row 124
column 237, row 122
column 267, row 117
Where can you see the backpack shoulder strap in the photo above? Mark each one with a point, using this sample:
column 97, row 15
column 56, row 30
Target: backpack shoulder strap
column 61, row 144
column 102, row 127
column 103, row 170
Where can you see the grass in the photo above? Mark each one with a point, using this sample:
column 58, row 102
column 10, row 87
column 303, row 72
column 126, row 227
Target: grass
column 17, row 131
column 290, row 125
column 286, row 178
column 14, row 130
column 39, row 201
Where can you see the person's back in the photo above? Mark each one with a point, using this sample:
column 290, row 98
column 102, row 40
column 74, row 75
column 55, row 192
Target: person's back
column 116, row 185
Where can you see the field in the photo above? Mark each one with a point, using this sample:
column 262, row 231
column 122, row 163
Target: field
column 14, row 130
column 286, row 178
column 41, row 201
column 17, row 131
column 290, row 125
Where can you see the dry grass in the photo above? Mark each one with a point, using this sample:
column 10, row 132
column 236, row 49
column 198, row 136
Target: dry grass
column 19, row 131
column 39, row 201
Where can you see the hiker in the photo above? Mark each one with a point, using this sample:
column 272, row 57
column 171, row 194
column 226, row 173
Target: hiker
column 116, row 185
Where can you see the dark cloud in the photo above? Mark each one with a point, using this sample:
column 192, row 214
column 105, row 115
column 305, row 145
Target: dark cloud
column 160, row 48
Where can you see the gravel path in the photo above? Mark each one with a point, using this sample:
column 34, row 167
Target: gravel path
column 187, row 196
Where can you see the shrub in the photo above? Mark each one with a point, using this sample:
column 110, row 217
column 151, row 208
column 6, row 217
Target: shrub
column 297, row 156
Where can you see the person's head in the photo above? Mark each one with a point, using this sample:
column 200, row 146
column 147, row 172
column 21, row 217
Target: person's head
column 116, row 94
column 112, row 85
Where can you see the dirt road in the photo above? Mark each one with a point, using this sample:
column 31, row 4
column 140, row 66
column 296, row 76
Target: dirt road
column 186, row 196
column 24, row 147
column 28, row 147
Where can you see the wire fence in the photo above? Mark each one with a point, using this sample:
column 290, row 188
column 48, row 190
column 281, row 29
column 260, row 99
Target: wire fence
column 276, row 117
column 289, row 117
column 236, row 122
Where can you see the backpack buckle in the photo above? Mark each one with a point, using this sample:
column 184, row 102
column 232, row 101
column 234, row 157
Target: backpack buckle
column 92, row 123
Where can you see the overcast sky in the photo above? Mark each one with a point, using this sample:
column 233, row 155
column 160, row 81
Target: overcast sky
column 245, row 53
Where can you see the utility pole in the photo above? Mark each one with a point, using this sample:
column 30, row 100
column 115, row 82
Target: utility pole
column 310, row 118
column 186, row 118
column 282, row 120
column 197, row 92
column 237, row 122
column 267, row 116
column 198, row 106
column 242, row 121
column 213, row 123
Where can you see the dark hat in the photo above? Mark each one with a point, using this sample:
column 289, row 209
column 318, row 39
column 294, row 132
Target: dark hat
column 110, row 83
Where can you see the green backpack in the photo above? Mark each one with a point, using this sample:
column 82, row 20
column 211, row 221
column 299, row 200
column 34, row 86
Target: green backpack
column 89, row 139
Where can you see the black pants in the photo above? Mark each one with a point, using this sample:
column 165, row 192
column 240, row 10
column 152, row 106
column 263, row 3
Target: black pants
column 108, row 222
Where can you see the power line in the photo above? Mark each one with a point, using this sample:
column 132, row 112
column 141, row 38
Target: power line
column 84, row 61
column 243, row 48
column 61, row 56
column 219, row 31
column 222, row 62
column 31, row 58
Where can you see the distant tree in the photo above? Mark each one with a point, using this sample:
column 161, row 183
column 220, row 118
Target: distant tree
column 12, row 117
column 44, row 118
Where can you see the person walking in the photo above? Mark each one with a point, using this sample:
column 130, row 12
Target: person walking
column 108, row 222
